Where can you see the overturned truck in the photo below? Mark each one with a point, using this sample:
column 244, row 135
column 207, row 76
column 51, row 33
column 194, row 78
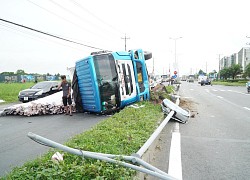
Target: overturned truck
column 108, row 81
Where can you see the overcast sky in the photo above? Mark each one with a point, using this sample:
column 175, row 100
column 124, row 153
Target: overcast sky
column 208, row 28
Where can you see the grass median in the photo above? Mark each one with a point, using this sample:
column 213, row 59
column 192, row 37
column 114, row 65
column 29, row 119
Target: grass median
column 226, row 83
column 123, row 133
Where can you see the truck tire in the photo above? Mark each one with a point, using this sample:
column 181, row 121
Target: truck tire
column 147, row 55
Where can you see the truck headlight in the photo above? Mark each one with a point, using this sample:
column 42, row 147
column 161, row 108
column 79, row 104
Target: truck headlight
column 39, row 93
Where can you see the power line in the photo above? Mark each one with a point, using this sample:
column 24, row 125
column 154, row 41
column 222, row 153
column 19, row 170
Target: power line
column 92, row 14
column 48, row 34
column 98, row 27
column 34, row 36
column 77, row 25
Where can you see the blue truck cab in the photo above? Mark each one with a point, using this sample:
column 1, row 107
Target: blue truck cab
column 108, row 81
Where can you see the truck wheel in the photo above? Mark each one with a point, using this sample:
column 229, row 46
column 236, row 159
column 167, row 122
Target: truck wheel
column 147, row 55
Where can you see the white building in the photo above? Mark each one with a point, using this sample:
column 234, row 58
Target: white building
column 244, row 57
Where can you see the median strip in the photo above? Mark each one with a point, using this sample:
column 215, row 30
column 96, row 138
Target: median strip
column 123, row 133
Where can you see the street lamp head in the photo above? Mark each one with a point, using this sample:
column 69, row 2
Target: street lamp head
column 175, row 38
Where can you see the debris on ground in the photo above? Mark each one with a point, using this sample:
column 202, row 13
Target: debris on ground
column 136, row 106
column 159, row 93
column 57, row 157
column 189, row 104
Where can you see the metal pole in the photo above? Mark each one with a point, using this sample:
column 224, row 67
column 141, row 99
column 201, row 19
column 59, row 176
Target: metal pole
column 175, row 54
column 219, row 69
column 100, row 156
column 125, row 38
column 153, row 136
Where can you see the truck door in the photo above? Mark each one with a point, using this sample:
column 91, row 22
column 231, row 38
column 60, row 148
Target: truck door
column 140, row 76
column 126, row 79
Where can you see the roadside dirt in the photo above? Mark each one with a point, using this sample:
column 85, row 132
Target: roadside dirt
column 189, row 105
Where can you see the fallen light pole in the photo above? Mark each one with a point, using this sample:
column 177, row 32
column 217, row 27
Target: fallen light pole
column 148, row 169
column 144, row 148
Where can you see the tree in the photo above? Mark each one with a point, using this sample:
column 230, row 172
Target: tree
column 247, row 71
column 20, row 72
column 235, row 70
column 225, row 73
column 201, row 72
column 212, row 74
column 7, row 73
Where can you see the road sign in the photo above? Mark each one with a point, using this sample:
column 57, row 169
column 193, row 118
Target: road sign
column 175, row 72
column 174, row 76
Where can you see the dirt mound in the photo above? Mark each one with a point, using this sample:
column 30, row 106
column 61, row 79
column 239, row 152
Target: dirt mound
column 190, row 105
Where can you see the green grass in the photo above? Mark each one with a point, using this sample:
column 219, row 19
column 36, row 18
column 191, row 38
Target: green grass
column 169, row 89
column 240, row 83
column 9, row 91
column 123, row 133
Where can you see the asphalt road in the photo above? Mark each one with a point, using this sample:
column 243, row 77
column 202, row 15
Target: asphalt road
column 216, row 143
column 16, row 148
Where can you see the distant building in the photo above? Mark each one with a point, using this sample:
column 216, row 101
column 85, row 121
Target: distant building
column 224, row 62
column 244, row 57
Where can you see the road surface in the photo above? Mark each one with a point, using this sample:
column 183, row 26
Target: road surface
column 215, row 144
column 16, row 148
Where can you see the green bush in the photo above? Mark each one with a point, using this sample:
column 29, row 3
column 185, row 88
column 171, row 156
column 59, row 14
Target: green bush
column 123, row 133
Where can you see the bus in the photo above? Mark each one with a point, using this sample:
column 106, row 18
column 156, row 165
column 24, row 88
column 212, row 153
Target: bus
column 108, row 81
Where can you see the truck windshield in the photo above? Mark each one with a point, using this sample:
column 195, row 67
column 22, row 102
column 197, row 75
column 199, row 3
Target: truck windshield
column 107, row 78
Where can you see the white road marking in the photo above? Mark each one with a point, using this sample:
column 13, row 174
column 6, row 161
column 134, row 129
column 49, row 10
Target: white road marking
column 239, row 92
column 222, row 90
column 215, row 90
column 186, row 97
column 191, row 89
column 247, row 108
column 220, row 97
column 175, row 166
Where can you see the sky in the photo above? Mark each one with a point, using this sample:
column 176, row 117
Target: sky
column 208, row 29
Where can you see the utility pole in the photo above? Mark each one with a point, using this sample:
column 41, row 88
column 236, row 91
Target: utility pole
column 125, row 38
column 175, row 60
column 219, row 68
column 153, row 66
column 206, row 67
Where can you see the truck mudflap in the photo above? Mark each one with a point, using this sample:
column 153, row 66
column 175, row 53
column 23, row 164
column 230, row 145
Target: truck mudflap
column 180, row 115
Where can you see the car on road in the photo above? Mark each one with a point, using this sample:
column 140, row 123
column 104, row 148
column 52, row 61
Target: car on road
column 206, row 82
column 165, row 78
column 190, row 80
column 39, row 90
